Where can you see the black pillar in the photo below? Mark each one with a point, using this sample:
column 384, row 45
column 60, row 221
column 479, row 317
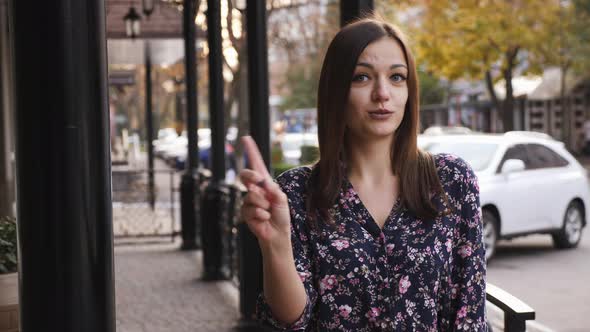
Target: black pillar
column 189, row 184
column 251, row 260
column 353, row 9
column 7, row 193
column 149, row 121
column 63, row 161
column 213, row 200
column 216, row 116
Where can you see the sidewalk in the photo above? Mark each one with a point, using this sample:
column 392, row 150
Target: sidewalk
column 158, row 289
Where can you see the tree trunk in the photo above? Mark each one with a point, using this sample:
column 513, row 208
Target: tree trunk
column 492, row 92
column 508, row 104
column 566, row 116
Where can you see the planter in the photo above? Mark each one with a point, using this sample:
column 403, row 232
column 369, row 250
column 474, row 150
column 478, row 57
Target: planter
column 9, row 302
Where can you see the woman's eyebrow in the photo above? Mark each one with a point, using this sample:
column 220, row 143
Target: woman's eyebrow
column 398, row 66
column 368, row 65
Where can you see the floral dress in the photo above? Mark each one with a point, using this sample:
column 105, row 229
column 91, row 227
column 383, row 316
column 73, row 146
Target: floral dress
column 410, row 275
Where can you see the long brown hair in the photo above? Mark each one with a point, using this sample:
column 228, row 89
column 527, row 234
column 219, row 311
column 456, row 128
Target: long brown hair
column 415, row 168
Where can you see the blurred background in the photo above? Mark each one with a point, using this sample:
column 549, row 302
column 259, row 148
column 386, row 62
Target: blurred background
column 503, row 84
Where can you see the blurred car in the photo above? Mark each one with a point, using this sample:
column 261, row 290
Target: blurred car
column 171, row 147
column 179, row 160
column 168, row 142
column 447, row 130
column 166, row 132
column 529, row 183
column 291, row 144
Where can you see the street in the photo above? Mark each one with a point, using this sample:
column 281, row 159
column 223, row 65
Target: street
column 553, row 282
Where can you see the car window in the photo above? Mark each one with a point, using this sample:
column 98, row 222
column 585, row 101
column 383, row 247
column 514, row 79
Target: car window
column 517, row 151
column 543, row 157
column 478, row 155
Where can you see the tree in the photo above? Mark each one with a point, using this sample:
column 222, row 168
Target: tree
column 301, row 82
column 432, row 89
column 234, row 34
column 481, row 40
column 301, row 35
column 568, row 47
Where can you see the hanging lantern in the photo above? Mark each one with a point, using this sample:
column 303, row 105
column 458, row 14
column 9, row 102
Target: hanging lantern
column 132, row 23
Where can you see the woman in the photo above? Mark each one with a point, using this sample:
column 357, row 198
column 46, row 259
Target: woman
column 377, row 235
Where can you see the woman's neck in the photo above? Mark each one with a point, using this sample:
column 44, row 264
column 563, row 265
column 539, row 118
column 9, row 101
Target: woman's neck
column 369, row 161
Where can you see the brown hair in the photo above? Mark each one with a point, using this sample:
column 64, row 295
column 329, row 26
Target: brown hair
column 415, row 168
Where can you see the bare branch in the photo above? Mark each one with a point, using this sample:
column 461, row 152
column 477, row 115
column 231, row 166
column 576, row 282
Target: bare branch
column 494, row 44
column 303, row 31
column 230, row 20
column 233, row 71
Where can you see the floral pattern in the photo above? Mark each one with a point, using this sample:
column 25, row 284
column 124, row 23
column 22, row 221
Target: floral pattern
column 411, row 275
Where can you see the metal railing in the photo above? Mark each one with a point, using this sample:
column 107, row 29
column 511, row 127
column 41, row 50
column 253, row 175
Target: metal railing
column 139, row 212
column 516, row 312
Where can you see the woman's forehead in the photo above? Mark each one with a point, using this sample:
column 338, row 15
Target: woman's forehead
column 385, row 51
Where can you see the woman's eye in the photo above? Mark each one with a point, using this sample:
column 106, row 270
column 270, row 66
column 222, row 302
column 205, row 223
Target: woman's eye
column 398, row 78
column 360, row 78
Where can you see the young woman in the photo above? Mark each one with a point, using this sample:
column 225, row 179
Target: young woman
column 377, row 235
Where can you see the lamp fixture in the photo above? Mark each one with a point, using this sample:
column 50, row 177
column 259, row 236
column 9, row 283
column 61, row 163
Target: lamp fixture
column 147, row 7
column 132, row 23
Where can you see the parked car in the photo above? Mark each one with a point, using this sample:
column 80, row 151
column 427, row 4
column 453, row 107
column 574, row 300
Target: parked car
column 529, row 183
column 205, row 159
column 291, row 144
column 179, row 160
column 447, row 130
column 171, row 148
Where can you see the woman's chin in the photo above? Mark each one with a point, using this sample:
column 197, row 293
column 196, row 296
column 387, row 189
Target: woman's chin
column 375, row 132
column 381, row 131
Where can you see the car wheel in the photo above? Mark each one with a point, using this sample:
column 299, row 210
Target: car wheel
column 571, row 232
column 490, row 233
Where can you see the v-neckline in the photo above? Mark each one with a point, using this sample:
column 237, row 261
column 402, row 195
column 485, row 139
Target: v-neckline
column 372, row 225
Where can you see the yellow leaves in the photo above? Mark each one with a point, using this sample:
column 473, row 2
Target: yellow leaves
column 463, row 38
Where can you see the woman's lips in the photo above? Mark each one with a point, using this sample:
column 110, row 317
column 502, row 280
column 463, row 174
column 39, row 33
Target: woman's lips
column 380, row 114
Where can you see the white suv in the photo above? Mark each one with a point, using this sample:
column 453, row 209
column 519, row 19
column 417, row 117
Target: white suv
column 529, row 183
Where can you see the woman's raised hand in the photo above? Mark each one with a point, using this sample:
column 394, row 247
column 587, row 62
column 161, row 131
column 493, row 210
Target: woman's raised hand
column 265, row 208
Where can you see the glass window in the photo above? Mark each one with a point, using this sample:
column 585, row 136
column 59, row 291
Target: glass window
column 543, row 157
column 478, row 155
column 517, row 151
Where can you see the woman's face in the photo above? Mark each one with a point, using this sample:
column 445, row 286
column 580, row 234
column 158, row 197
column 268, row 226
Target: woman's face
column 378, row 91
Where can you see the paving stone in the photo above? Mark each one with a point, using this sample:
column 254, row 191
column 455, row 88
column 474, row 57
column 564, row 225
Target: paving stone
column 158, row 288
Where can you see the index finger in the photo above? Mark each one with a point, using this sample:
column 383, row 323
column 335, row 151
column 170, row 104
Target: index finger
column 254, row 156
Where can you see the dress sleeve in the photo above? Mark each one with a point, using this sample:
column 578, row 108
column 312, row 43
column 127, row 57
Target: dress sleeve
column 469, row 268
column 292, row 186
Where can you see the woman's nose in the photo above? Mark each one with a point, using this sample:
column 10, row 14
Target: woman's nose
column 380, row 92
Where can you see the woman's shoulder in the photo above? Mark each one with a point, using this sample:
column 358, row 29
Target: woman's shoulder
column 454, row 172
column 296, row 174
column 294, row 181
column 450, row 164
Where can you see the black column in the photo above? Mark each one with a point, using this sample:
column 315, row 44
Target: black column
column 353, row 9
column 214, row 207
column 189, row 184
column 251, row 260
column 216, row 117
column 63, row 163
column 149, row 121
